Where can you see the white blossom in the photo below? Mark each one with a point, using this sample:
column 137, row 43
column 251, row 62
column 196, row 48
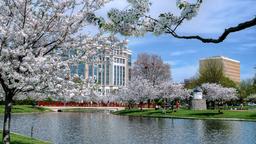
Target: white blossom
column 36, row 40
column 172, row 91
column 135, row 19
column 215, row 92
column 138, row 89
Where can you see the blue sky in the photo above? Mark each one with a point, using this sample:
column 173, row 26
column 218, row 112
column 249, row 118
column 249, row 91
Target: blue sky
column 214, row 16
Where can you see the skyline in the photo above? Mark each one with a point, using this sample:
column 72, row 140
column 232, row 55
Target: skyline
column 211, row 21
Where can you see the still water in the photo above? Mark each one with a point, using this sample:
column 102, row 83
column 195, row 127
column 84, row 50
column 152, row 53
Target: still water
column 103, row 128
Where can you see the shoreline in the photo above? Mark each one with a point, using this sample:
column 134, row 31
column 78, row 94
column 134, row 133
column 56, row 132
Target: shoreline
column 22, row 139
column 137, row 113
column 192, row 118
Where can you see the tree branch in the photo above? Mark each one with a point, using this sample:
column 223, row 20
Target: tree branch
column 222, row 37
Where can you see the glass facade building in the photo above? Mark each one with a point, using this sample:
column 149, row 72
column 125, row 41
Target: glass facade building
column 111, row 73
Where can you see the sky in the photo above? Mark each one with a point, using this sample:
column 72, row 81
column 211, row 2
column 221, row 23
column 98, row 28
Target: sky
column 184, row 55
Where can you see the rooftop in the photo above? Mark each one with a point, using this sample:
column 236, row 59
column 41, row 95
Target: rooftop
column 221, row 57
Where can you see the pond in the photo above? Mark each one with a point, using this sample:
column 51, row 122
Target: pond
column 104, row 128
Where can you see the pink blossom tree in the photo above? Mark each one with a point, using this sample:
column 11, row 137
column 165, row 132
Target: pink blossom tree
column 137, row 90
column 172, row 92
column 36, row 38
column 217, row 93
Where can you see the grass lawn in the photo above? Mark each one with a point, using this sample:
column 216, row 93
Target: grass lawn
column 20, row 139
column 25, row 109
column 193, row 114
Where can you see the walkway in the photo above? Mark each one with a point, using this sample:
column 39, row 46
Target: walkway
column 68, row 107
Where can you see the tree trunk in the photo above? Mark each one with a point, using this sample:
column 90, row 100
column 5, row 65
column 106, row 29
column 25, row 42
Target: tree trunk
column 7, row 119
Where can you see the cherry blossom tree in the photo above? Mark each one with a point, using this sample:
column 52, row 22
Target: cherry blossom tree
column 135, row 20
column 172, row 92
column 215, row 92
column 36, row 39
column 137, row 90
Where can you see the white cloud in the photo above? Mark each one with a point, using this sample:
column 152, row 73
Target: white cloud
column 179, row 53
column 173, row 62
column 184, row 72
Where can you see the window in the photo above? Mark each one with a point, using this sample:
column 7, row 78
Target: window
column 107, row 74
column 90, row 71
column 103, row 74
column 95, row 72
column 72, row 53
column 99, row 74
column 129, row 60
column 81, row 70
column 73, row 70
column 115, row 75
column 123, row 76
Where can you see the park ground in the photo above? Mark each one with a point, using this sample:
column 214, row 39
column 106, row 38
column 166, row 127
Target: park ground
column 248, row 115
column 25, row 109
column 20, row 139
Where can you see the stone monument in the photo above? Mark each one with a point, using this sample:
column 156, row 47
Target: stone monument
column 198, row 103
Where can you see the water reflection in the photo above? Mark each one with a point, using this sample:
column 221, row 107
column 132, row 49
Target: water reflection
column 87, row 128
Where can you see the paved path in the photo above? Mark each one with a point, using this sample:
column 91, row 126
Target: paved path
column 100, row 108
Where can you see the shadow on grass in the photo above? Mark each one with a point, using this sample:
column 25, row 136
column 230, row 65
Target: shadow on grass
column 154, row 112
column 123, row 112
column 252, row 115
column 205, row 114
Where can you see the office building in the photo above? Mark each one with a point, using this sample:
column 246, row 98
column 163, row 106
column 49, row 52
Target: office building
column 231, row 68
column 111, row 72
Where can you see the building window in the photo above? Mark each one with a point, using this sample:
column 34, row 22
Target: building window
column 73, row 70
column 117, row 75
column 107, row 73
column 90, row 71
column 123, row 76
column 72, row 53
column 103, row 74
column 95, row 72
column 99, row 74
column 129, row 60
column 81, row 70
column 115, row 78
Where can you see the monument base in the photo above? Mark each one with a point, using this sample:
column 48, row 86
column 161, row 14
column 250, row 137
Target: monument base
column 198, row 104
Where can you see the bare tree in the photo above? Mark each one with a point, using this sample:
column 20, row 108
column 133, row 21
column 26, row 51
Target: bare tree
column 152, row 68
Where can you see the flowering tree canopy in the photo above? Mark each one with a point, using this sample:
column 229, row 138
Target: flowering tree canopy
column 215, row 92
column 172, row 91
column 37, row 39
column 136, row 21
column 138, row 89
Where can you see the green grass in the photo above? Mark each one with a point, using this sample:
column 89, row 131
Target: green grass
column 20, row 139
column 25, row 109
column 192, row 114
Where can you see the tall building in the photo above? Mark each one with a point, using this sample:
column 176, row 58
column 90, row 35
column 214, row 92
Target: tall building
column 112, row 72
column 231, row 68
